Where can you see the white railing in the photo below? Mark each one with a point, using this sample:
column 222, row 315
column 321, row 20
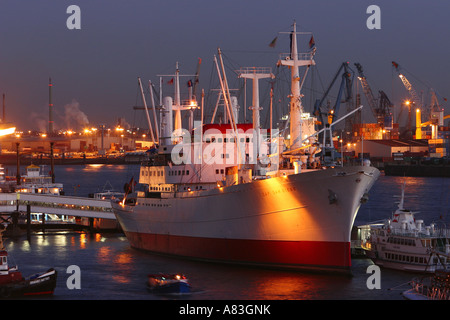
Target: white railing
column 255, row 70
column 300, row 56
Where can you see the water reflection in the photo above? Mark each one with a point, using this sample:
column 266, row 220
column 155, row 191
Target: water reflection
column 292, row 286
column 123, row 267
column 104, row 254
column 93, row 167
column 429, row 196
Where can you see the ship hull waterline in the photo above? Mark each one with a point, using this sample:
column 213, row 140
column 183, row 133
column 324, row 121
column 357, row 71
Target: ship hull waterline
column 300, row 221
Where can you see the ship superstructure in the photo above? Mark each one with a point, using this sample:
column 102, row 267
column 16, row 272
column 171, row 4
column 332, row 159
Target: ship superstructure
column 232, row 193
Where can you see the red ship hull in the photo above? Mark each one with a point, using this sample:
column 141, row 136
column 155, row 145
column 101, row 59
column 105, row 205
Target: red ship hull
column 319, row 255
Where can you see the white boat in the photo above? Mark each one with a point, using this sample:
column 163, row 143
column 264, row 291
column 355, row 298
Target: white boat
column 231, row 194
column 108, row 193
column 404, row 243
column 36, row 181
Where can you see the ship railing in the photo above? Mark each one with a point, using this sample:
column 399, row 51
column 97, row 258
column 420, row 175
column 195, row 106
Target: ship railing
column 255, row 70
column 300, row 56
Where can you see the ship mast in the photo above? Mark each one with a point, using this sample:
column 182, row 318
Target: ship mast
column 294, row 61
column 256, row 73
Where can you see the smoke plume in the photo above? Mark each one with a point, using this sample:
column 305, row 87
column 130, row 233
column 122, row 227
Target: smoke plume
column 73, row 116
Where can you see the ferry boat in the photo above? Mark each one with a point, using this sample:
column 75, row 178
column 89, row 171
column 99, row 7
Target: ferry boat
column 404, row 243
column 233, row 193
column 35, row 181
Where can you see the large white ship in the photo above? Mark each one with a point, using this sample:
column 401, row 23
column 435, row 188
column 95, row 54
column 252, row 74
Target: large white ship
column 234, row 193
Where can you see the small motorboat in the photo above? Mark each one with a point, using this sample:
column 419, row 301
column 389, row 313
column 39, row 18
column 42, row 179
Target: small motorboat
column 13, row 284
column 168, row 284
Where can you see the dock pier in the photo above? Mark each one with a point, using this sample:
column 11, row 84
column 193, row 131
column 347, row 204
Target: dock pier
column 13, row 204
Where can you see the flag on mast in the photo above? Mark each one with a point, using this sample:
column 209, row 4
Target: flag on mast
column 273, row 43
column 312, row 43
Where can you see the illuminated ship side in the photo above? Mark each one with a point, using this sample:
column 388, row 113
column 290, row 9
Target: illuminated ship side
column 239, row 203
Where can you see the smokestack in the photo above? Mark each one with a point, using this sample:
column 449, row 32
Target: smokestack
column 50, row 107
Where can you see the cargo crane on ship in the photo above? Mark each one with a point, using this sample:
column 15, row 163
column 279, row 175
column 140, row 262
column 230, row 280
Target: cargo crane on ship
column 381, row 106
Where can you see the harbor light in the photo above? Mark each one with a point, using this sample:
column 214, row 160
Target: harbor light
column 6, row 131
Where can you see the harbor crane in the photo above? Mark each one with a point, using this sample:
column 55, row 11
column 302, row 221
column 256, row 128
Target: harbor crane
column 436, row 117
column 415, row 97
column 416, row 101
column 381, row 107
column 346, row 85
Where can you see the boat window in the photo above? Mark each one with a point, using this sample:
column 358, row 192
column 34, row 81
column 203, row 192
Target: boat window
column 187, row 172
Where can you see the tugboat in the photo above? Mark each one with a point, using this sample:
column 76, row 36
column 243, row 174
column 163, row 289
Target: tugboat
column 13, row 284
column 168, row 284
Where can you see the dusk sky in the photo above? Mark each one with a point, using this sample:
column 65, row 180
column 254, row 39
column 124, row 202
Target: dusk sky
column 94, row 69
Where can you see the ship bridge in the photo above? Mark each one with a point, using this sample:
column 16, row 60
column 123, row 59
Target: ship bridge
column 56, row 204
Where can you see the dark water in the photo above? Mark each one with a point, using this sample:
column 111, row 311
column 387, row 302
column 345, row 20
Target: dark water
column 111, row 270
